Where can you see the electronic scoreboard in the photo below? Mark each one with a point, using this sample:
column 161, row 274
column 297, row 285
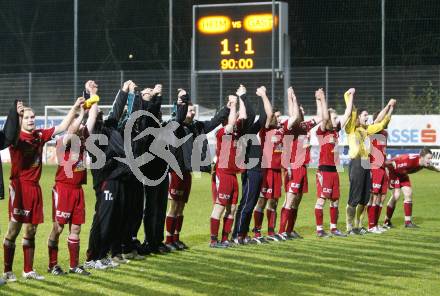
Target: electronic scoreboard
column 238, row 37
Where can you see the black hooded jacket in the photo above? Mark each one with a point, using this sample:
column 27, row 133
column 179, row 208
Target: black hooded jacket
column 195, row 128
column 113, row 169
column 9, row 136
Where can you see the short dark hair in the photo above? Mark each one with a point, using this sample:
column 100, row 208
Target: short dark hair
column 425, row 151
column 274, row 109
column 362, row 110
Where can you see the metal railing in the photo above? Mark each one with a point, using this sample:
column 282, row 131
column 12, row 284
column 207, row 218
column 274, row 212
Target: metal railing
column 417, row 88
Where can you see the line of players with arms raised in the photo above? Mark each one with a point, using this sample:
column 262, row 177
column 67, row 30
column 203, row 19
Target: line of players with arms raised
column 291, row 157
column 261, row 184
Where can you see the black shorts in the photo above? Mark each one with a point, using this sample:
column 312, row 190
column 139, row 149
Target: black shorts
column 360, row 183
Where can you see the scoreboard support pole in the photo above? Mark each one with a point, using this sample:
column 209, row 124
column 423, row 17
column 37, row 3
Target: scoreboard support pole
column 193, row 75
column 286, row 70
column 193, row 87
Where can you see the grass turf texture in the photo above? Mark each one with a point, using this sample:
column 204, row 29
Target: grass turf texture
column 398, row 262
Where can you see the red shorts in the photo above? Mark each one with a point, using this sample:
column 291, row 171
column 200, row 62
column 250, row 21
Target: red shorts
column 295, row 180
column 327, row 185
column 68, row 204
column 271, row 184
column 179, row 189
column 25, row 202
column 225, row 190
column 399, row 181
column 379, row 181
column 213, row 187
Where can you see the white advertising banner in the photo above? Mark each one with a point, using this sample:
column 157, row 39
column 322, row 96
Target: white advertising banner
column 407, row 130
column 414, row 130
column 436, row 158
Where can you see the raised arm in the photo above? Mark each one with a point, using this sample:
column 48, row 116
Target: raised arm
column 11, row 129
column 261, row 92
column 262, row 119
column 377, row 127
column 232, row 118
column 156, row 100
column 320, row 98
column 182, row 106
column 384, row 111
column 74, row 127
column 293, row 108
column 241, row 93
column 247, row 112
column 62, row 127
column 218, row 119
column 350, row 124
column 317, row 118
column 91, row 119
column 348, row 108
column 119, row 103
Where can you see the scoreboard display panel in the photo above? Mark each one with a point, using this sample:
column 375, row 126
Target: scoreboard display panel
column 238, row 37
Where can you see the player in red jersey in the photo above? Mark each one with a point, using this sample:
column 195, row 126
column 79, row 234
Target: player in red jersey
column 225, row 189
column 68, row 205
column 327, row 178
column 25, row 198
column 379, row 176
column 297, row 142
column 271, row 136
column 400, row 167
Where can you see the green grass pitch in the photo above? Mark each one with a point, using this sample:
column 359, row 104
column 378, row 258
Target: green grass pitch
column 399, row 262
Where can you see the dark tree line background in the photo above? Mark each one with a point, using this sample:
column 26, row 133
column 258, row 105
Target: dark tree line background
column 37, row 36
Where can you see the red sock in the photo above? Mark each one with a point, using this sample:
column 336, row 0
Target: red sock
column 285, row 215
column 258, row 221
column 53, row 253
column 292, row 220
column 227, row 227
column 170, row 223
column 28, row 254
column 271, row 220
column 371, row 216
column 319, row 216
column 73, row 245
column 215, row 225
column 334, row 215
column 9, row 251
column 390, row 211
column 179, row 223
column 407, row 208
column 378, row 212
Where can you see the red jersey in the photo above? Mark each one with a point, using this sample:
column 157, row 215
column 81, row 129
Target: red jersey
column 272, row 145
column 227, row 147
column 300, row 154
column 328, row 141
column 379, row 142
column 26, row 156
column 406, row 164
column 78, row 169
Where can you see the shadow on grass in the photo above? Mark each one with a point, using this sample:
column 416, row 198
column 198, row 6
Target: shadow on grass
column 300, row 266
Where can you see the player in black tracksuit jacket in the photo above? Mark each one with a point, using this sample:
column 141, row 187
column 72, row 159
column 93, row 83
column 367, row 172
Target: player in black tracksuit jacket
column 107, row 223
column 155, row 196
column 179, row 189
